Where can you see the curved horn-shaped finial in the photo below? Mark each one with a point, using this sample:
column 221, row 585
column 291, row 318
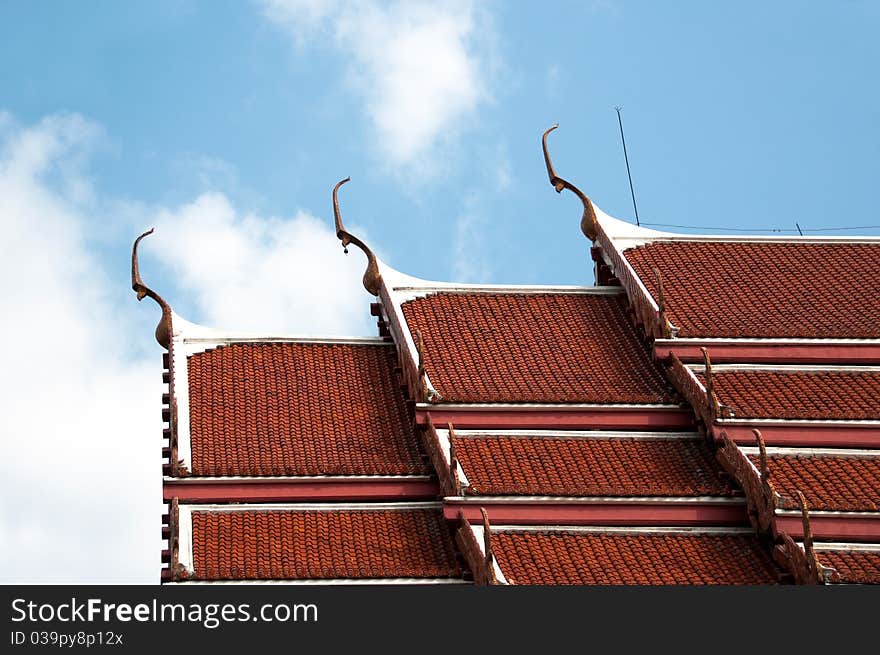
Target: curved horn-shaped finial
column 762, row 455
column 816, row 570
column 337, row 216
column 589, row 222
column 163, row 329
column 372, row 277
column 665, row 325
column 489, row 561
column 555, row 180
column 805, row 519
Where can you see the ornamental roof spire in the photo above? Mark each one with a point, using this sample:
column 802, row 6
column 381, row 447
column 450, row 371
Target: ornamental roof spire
column 372, row 276
column 589, row 222
column 163, row 329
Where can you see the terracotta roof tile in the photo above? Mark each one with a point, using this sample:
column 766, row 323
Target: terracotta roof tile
column 854, row 566
column 300, row 409
column 739, row 289
column 851, row 395
column 845, row 484
column 298, row 545
column 541, row 348
column 589, row 466
column 632, row 559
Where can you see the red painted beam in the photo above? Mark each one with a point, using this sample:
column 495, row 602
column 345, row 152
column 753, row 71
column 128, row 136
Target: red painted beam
column 193, row 491
column 620, row 514
column 536, row 418
column 802, row 435
column 837, row 527
column 758, row 352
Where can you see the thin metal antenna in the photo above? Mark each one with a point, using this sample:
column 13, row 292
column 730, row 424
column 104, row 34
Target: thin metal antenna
column 626, row 157
column 800, row 231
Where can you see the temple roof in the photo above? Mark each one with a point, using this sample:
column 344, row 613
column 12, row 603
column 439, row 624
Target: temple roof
column 798, row 393
column 721, row 286
column 300, row 408
column 564, row 419
column 765, row 289
column 838, row 480
column 853, row 564
column 320, row 543
column 588, row 465
column 575, row 347
column 631, row 557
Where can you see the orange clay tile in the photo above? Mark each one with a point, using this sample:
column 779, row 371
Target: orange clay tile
column 300, row 409
column 737, row 289
column 299, row 545
column 534, row 348
column 854, row 566
column 851, row 395
column 589, row 467
column 552, row 558
column 844, row 484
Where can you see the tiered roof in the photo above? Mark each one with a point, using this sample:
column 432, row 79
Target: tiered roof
column 708, row 414
column 823, row 393
column 543, row 407
column 852, row 563
column 794, row 402
column 300, row 408
column 832, row 479
column 322, row 542
column 588, row 464
column 533, row 346
column 764, row 288
column 294, row 459
column 632, row 557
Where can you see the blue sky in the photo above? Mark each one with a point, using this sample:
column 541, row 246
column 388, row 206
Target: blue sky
column 737, row 115
column 226, row 124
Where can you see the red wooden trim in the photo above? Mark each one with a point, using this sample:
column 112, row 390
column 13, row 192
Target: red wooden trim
column 408, row 367
column 470, row 549
column 609, row 418
column 837, row 528
column 642, row 303
column 704, row 403
column 804, row 436
column 297, row 490
column 431, row 444
column 773, row 353
column 621, row 514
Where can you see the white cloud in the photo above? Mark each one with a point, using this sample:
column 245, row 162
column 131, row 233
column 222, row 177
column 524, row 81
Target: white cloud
column 266, row 274
column 300, row 17
column 80, row 497
column 422, row 68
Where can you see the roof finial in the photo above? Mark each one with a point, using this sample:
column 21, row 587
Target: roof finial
column 661, row 299
column 762, row 455
column 589, row 222
column 163, row 329
column 453, row 462
column 372, row 277
column 426, row 393
column 714, row 403
column 489, row 561
column 816, row 570
column 669, row 330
